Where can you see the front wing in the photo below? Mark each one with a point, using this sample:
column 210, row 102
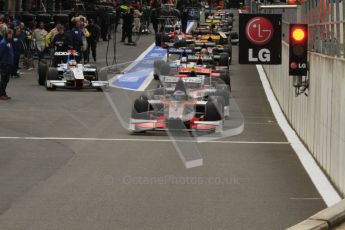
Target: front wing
column 62, row 84
column 140, row 125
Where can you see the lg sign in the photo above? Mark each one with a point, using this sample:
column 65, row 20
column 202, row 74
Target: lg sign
column 259, row 31
column 260, row 39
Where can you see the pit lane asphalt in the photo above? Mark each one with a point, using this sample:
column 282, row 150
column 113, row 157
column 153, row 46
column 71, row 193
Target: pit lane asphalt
column 129, row 184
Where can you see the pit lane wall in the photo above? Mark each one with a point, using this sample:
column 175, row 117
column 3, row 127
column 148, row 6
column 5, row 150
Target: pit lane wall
column 319, row 118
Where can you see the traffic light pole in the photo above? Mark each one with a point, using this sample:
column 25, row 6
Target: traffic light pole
column 299, row 81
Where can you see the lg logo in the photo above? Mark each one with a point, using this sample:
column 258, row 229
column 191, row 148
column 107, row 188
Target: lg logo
column 259, row 31
column 260, row 41
column 264, row 55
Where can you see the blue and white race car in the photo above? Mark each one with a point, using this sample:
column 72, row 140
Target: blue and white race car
column 71, row 74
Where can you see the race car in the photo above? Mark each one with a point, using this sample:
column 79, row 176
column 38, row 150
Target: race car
column 218, row 75
column 222, row 14
column 183, row 40
column 219, row 21
column 178, row 108
column 216, row 34
column 208, row 28
column 205, row 53
column 71, row 74
column 172, row 38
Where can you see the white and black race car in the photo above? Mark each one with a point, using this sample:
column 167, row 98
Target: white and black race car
column 71, row 74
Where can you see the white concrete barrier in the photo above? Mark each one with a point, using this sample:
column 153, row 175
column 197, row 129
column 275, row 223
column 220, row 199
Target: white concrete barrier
column 319, row 118
column 330, row 218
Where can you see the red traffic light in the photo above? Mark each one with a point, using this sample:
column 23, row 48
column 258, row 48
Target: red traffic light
column 298, row 50
column 298, row 34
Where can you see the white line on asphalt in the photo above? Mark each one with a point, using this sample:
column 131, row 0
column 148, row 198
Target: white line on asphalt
column 140, row 140
column 260, row 123
column 305, row 198
column 319, row 179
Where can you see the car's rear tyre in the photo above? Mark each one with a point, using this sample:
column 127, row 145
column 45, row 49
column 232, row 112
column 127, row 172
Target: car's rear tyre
column 52, row 74
column 42, row 72
column 141, row 108
column 213, row 109
column 225, row 78
column 228, row 49
column 224, row 59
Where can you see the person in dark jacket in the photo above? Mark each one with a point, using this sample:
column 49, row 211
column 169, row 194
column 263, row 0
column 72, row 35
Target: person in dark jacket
column 18, row 48
column 182, row 6
column 6, row 62
column 117, row 15
column 77, row 39
column 95, row 33
column 127, row 26
column 154, row 15
column 104, row 22
column 61, row 43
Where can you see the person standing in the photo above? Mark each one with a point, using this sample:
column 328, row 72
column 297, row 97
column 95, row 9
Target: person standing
column 104, row 22
column 95, row 33
column 61, row 43
column 76, row 37
column 155, row 6
column 85, row 35
column 136, row 21
column 78, row 33
column 18, row 48
column 6, row 62
column 50, row 36
column 3, row 28
column 39, row 36
column 182, row 6
column 146, row 18
column 127, row 26
column 117, row 15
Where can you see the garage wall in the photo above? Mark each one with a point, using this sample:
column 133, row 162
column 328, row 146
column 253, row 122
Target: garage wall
column 319, row 118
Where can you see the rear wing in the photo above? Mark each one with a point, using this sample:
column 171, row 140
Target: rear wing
column 207, row 44
column 171, row 79
column 195, row 58
column 69, row 52
column 172, row 50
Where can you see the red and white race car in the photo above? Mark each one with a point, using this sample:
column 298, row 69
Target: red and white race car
column 182, row 104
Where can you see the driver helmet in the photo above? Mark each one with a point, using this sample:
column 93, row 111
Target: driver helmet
column 192, row 73
column 179, row 95
column 204, row 51
column 183, row 59
column 72, row 62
